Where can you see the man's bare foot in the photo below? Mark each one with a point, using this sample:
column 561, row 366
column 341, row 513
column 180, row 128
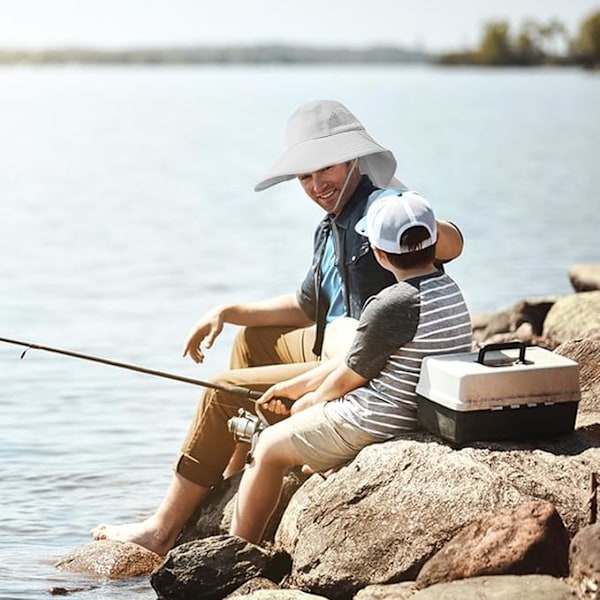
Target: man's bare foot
column 145, row 534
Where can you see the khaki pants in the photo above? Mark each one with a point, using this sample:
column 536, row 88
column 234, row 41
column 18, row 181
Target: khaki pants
column 260, row 357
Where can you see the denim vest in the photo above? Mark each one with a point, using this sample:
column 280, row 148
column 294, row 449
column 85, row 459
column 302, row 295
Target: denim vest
column 360, row 273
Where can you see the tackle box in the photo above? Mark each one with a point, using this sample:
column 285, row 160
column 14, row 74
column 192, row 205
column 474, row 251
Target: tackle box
column 504, row 391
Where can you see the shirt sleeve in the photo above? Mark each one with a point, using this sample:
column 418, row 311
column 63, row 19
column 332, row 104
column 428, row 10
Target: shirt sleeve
column 388, row 321
column 306, row 295
column 307, row 292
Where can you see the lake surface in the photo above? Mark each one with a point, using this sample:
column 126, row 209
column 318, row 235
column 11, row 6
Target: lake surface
column 127, row 211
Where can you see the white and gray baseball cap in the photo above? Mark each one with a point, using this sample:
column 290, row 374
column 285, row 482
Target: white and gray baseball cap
column 390, row 214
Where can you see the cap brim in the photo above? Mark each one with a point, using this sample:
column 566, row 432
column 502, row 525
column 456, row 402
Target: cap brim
column 397, row 190
column 361, row 226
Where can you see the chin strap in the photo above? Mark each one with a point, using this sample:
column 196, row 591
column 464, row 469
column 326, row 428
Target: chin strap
column 346, row 182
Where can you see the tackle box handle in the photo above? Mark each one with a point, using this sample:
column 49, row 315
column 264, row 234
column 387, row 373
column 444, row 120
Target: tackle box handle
column 502, row 346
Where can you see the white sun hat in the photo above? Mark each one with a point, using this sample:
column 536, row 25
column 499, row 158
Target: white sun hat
column 322, row 133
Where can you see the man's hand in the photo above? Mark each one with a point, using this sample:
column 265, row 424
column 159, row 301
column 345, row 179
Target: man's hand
column 204, row 331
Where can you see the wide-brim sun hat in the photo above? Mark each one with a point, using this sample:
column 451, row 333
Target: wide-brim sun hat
column 322, row 133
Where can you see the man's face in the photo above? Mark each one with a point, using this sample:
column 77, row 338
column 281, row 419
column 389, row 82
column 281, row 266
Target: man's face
column 324, row 186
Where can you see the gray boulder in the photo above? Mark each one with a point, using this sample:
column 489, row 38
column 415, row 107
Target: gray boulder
column 213, row 567
column 281, row 595
column 584, row 560
column 523, row 322
column 500, row 587
column 585, row 277
column 380, row 518
column 586, row 352
column 392, row 591
column 253, row 585
column 526, row 540
column 107, row 559
column 573, row 317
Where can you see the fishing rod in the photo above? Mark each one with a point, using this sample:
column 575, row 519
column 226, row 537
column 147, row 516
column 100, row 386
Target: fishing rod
column 232, row 389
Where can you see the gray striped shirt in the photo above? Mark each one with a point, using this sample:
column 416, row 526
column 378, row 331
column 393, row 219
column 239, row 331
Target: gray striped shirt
column 398, row 327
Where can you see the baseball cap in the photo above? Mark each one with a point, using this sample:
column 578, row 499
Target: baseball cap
column 389, row 215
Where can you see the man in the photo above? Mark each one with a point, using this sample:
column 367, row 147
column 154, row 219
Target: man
column 339, row 166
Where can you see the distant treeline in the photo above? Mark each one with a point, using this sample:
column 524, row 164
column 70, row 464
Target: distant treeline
column 216, row 55
column 533, row 44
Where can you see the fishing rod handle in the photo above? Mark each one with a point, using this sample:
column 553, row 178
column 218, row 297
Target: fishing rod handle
column 254, row 395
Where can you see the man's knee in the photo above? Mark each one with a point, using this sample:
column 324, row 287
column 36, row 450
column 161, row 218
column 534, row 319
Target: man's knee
column 248, row 347
column 241, row 337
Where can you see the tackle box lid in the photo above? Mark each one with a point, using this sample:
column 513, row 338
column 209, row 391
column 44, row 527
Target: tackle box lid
column 499, row 376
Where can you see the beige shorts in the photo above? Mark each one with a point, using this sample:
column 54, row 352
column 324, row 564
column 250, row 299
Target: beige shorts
column 323, row 439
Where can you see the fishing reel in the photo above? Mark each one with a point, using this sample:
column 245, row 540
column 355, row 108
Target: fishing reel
column 246, row 428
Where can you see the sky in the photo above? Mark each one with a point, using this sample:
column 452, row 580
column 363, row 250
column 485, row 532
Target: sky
column 431, row 25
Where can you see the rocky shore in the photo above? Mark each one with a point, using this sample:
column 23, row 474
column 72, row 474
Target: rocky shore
column 417, row 517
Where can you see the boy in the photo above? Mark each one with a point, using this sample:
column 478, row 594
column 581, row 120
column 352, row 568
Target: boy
column 369, row 396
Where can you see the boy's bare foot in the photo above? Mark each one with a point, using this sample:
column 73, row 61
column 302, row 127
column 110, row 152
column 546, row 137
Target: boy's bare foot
column 144, row 534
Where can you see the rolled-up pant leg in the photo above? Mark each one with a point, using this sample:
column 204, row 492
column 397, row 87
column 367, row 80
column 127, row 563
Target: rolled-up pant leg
column 209, row 445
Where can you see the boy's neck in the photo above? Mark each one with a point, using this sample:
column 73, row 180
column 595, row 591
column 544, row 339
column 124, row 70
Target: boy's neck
column 404, row 274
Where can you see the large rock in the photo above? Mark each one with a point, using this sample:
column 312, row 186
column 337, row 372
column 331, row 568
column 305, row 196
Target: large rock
column 380, row 518
column 584, row 277
column 500, row 587
column 253, row 585
column 584, row 560
column 280, row 595
column 392, row 591
column 211, row 568
column 108, row 559
column 527, row 540
column 555, row 469
column 586, row 353
column 573, row 317
column 523, row 322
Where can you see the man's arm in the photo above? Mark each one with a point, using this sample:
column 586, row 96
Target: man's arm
column 282, row 311
column 450, row 241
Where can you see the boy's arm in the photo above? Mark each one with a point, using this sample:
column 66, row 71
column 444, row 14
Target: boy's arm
column 339, row 382
column 298, row 386
column 338, row 338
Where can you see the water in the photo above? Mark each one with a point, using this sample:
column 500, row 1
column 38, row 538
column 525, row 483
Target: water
column 126, row 212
